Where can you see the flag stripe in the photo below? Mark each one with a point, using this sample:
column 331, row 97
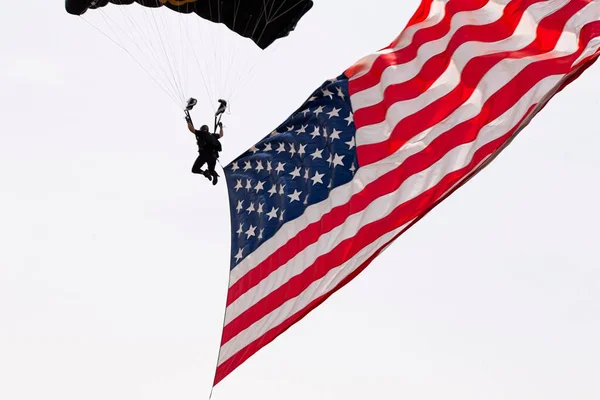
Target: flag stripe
column 231, row 362
column 427, row 34
column 430, row 111
column 413, row 175
column 409, row 80
column 484, row 74
column 506, row 96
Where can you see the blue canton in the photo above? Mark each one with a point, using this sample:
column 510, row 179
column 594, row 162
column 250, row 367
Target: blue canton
column 295, row 166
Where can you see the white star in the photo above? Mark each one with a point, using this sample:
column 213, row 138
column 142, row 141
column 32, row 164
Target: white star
column 316, row 132
column 273, row 190
column 250, row 231
column 260, row 235
column 235, row 166
column 349, row 118
column 274, row 133
column 273, row 213
column 279, row 167
column 326, row 93
column 329, row 159
column 301, row 149
column 318, row 110
column 269, row 167
column 281, row 189
column 335, row 134
column 302, row 129
column 250, row 208
column 317, row 154
column 351, row 143
column 247, row 166
column 294, row 196
column 306, row 174
column 268, row 147
column 240, row 229
column 253, row 149
column 317, row 178
column 334, row 113
column 295, row 173
column 240, row 205
column 259, row 186
column 248, row 185
column 353, row 168
column 312, row 98
column 281, row 215
column 337, row 160
column 259, row 166
column 281, row 147
column 306, row 111
column 238, row 185
column 292, row 150
column 306, row 200
column 239, row 255
column 260, row 208
column 340, row 93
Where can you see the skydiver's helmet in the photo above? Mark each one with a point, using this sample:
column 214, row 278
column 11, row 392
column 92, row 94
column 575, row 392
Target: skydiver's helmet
column 204, row 128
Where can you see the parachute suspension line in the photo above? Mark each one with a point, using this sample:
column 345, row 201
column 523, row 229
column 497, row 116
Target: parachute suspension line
column 158, row 83
column 185, row 64
column 151, row 49
column 172, row 68
column 234, row 50
column 171, row 84
column 202, row 75
column 231, row 54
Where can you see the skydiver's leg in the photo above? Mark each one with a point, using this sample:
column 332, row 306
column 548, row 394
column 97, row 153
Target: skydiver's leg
column 212, row 163
column 197, row 167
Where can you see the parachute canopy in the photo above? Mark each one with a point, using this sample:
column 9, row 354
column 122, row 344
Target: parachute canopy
column 263, row 21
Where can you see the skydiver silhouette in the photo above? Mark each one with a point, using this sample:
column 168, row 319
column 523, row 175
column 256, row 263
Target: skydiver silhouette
column 209, row 147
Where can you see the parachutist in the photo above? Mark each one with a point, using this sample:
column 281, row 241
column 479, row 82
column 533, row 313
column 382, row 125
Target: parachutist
column 209, row 147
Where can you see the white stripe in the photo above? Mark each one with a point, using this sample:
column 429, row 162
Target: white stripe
column 398, row 73
column 342, row 194
column 316, row 289
column 449, row 80
column 435, row 16
column 495, row 78
column 454, row 160
column 375, row 211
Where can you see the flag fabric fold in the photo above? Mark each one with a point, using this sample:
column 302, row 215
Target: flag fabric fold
column 373, row 150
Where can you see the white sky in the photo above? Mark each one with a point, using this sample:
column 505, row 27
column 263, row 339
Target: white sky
column 114, row 257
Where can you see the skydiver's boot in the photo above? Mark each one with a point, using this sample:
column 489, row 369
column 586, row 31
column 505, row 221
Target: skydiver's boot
column 215, row 177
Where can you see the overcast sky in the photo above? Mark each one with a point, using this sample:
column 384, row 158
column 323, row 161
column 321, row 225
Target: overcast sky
column 114, row 257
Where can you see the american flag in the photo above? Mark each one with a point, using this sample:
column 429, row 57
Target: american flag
column 372, row 151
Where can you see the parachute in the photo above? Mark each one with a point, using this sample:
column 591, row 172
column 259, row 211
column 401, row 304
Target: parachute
column 165, row 37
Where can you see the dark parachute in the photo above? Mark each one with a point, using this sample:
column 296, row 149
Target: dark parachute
column 263, row 21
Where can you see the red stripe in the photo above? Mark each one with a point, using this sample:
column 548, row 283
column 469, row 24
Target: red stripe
column 472, row 74
column 494, row 107
column 463, row 133
column 434, row 67
column 410, row 52
column 444, row 186
column 420, row 15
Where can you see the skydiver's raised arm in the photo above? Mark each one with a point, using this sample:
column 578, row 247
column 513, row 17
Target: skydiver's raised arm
column 220, row 130
column 190, row 124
